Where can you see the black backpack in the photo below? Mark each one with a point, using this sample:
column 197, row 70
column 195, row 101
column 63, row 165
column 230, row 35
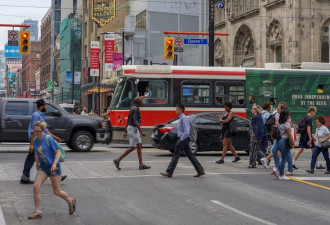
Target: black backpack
column 302, row 125
column 269, row 123
column 275, row 133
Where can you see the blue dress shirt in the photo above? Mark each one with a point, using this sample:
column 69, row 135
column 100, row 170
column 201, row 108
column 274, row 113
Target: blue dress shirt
column 184, row 127
column 36, row 116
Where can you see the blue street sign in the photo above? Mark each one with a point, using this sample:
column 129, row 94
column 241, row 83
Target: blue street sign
column 195, row 41
column 68, row 78
column 220, row 5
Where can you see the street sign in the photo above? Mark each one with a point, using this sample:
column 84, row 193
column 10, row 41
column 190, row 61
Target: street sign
column 195, row 41
column 220, row 5
column 178, row 49
column 178, row 42
column 13, row 37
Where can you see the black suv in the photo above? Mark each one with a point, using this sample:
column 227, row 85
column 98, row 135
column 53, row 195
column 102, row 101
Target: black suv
column 78, row 132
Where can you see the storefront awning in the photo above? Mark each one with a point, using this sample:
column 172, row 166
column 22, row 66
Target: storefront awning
column 96, row 87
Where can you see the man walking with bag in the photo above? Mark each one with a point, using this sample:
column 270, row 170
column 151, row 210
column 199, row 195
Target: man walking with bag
column 182, row 145
column 38, row 115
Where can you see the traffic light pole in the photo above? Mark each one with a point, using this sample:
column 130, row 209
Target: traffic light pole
column 211, row 31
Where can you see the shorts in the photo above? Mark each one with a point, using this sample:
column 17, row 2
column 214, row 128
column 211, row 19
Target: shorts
column 133, row 136
column 46, row 169
column 303, row 143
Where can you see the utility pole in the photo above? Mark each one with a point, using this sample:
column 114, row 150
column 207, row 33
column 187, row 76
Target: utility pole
column 72, row 80
column 211, row 31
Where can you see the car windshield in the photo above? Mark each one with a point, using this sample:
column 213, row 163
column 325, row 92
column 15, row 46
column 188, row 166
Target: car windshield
column 122, row 96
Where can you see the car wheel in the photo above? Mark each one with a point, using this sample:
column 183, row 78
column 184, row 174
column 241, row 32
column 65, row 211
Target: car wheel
column 82, row 141
column 194, row 147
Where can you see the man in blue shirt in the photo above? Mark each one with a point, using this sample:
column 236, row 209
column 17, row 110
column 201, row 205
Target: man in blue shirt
column 38, row 115
column 183, row 145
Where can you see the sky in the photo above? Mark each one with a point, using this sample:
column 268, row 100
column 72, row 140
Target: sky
column 15, row 11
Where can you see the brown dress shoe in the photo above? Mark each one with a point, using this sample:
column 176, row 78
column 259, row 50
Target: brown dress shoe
column 166, row 175
column 200, row 174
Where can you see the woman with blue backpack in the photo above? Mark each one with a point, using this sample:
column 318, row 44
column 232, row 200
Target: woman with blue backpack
column 47, row 154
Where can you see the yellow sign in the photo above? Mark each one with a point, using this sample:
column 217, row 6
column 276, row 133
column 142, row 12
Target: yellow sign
column 103, row 11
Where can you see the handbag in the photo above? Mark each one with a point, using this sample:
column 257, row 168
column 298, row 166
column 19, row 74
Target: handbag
column 287, row 143
column 325, row 144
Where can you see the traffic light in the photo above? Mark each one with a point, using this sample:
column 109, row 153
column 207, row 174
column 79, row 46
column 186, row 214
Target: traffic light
column 24, row 42
column 169, row 48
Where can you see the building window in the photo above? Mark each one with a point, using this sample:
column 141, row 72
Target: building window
column 141, row 20
column 278, row 53
column 37, row 55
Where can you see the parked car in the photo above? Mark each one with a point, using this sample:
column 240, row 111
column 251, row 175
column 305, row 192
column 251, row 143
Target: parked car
column 164, row 135
column 67, row 107
column 78, row 132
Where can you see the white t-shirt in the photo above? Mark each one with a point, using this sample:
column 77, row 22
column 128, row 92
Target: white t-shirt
column 283, row 127
column 321, row 133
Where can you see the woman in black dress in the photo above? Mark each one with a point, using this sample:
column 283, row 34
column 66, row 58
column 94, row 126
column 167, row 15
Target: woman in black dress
column 227, row 116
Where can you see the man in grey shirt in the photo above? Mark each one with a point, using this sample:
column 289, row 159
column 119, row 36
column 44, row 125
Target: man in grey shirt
column 133, row 130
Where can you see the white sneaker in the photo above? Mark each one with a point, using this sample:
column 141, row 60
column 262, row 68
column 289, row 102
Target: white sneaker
column 276, row 173
column 264, row 162
column 283, row 178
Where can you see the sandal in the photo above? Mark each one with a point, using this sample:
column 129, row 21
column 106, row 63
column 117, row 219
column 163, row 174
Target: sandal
column 144, row 167
column 288, row 174
column 327, row 172
column 35, row 215
column 72, row 206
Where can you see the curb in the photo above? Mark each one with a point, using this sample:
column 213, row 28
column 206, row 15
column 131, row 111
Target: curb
column 2, row 218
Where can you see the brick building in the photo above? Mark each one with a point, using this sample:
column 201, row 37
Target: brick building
column 30, row 63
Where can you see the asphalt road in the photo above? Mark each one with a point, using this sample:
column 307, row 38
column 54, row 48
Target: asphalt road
column 228, row 194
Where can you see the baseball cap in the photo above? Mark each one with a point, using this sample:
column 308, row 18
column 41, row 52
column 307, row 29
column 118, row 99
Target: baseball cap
column 40, row 102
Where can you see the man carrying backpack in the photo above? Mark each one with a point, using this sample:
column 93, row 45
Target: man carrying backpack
column 305, row 127
column 183, row 145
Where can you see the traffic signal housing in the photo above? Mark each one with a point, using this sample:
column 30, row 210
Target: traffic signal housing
column 24, row 42
column 169, row 48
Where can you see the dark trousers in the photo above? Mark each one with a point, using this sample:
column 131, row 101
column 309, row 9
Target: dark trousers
column 255, row 153
column 181, row 147
column 29, row 161
column 316, row 152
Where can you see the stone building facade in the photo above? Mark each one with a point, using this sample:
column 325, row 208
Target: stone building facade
column 272, row 31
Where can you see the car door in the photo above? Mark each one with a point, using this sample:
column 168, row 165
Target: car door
column 208, row 131
column 242, row 139
column 57, row 124
column 15, row 121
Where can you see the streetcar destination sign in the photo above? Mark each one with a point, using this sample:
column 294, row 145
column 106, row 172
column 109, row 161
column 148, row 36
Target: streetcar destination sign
column 195, row 41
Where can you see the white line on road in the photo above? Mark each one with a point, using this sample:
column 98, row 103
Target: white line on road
column 242, row 213
column 2, row 218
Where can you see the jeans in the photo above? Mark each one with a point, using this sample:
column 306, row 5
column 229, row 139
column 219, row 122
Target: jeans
column 285, row 151
column 183, row 146
column 29, row 161
column 275, row 155
column 316, row 152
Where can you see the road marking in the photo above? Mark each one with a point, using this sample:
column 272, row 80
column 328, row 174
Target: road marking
column 310, row 183
column 242, row 213
column 2, row 218
column 314, row 178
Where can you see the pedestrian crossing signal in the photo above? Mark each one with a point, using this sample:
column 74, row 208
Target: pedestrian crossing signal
column 168, row 48
column 24, row 42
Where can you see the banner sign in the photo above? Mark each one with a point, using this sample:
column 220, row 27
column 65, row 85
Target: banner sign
column 117, row 61
column 95, row 59
column 102, row 11
column 109, row 48
column 77, row 77
column 68, row 77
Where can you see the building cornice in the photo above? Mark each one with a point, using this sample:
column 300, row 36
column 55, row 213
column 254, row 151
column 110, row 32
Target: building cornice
column 244, row 16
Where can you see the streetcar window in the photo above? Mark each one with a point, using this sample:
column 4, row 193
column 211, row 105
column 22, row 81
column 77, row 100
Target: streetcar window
column 230, row 92
column 195, row 93
column 122, row 96
column 153, row 92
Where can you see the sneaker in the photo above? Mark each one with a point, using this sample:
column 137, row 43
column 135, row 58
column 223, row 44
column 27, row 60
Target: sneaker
column 327, row 172
column 221, row 161
column 320, row 167
column 276, row 173
column 284, row 178
column 35, row 215
column 144, row 167
column 310, row 171
column 236, row 159
column 264, row 162
column 294, row 167
column 72, row 206
column 26, row 181
column 64, row 177
column 115, row 161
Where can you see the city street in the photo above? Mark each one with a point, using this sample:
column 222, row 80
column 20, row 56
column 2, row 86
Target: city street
column 228, row 194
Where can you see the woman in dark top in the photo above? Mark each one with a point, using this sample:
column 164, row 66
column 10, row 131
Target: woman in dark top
column 225, row 119
column 256, row 136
